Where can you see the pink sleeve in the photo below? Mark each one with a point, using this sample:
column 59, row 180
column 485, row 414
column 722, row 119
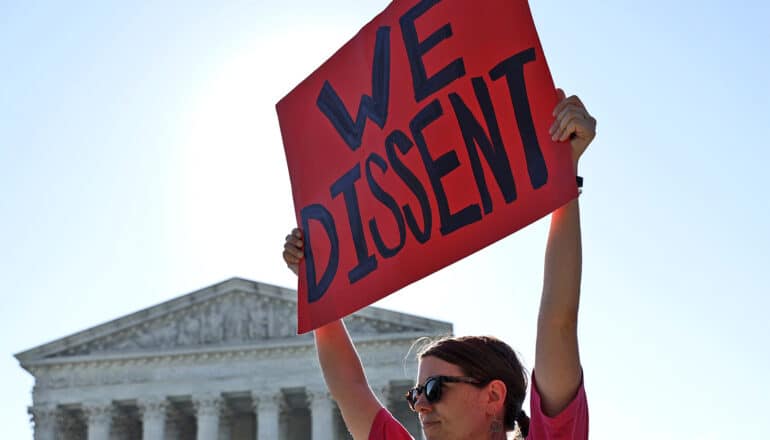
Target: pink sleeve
column 385, row 427
column 570, row 424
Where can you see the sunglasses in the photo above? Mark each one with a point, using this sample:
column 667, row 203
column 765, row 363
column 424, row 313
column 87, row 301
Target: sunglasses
column 432, row 388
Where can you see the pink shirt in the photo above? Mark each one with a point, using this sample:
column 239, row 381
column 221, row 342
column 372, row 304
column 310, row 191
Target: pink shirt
column 385, row 427
column 570, row 424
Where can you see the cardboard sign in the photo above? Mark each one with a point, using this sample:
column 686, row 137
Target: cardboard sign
column 422, row 140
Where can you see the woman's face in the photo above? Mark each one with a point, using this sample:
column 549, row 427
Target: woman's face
column 460, row 413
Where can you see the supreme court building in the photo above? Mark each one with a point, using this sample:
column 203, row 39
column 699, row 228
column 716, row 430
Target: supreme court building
column 223, row 362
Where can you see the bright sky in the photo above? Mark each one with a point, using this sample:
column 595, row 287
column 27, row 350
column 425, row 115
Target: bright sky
column 141, row 159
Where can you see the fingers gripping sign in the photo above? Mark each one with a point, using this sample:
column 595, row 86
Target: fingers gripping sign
column 572, row 122
column 293, row 251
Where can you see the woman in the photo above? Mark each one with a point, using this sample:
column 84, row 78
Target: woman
column 473, row 387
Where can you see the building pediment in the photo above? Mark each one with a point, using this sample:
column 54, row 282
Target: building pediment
column 236, row 313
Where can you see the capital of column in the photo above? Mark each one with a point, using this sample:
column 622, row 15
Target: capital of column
column 268, row 405
column 208, row 405
column 153, row 408
column 266, row 400
column 319, row 398
column 98, row 413
column 43, row 416
column 321, row 414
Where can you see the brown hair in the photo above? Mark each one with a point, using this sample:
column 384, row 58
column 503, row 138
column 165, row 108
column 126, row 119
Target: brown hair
column 486, row 358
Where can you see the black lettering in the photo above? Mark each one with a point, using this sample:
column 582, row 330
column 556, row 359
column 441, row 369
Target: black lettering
column 416, row 49
column 346, row 186
column 387, row 200
column 398, row 139
column 439, row 168
column 374, row 107
column 493, row 149
column 513, row 70
column 315, row 288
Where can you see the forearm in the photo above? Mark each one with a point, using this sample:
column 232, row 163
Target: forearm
column 557, row 363
column 563, row 266
column 339, row 360
column 345, row 378
column 341, row 367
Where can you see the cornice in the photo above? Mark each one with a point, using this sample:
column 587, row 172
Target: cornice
column 268, row 349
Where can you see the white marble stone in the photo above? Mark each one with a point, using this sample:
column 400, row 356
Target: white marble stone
column 99, row 419
column 173, row 366
column 207, row 410
column 153, row 413
column 44, row 420
column 321, row 414
column 267, row 406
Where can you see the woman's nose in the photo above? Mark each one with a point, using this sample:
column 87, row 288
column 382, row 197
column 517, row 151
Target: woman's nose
column 422, row 404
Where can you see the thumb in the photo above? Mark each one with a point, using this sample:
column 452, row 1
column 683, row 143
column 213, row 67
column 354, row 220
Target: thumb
column 560, row 93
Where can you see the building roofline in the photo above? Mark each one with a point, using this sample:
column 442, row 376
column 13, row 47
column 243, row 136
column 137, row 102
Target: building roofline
column 40, row 352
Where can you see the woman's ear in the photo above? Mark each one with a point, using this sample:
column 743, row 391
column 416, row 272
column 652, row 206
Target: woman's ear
column 495, row 393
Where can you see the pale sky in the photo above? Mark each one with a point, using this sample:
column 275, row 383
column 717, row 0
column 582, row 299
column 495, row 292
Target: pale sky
column 141, row 160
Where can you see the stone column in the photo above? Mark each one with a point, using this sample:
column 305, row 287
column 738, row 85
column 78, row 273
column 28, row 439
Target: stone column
column 321, row 415
column 99, row 419
column 44, row 419
column 153, row 411
column 207, row 408
column 268, row 407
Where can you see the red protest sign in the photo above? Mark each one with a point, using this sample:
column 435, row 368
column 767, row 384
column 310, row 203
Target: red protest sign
column 422, row 140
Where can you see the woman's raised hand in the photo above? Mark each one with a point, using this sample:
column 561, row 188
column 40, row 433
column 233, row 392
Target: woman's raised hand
column 293, row 251
column 573, row 122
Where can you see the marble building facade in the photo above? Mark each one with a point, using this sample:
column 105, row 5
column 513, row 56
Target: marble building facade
column 220, row 363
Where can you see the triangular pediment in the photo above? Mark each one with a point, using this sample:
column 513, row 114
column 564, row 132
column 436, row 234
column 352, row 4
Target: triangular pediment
column 234, row 313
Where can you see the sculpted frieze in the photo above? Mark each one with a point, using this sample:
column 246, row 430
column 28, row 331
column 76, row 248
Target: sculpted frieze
column 232, row 319
column 235, row 318
column 365, row 326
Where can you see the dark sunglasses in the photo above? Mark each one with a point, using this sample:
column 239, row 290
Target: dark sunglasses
column 432, row 388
